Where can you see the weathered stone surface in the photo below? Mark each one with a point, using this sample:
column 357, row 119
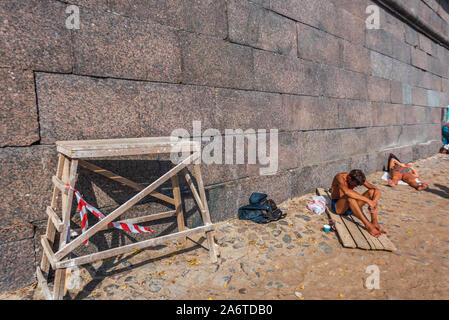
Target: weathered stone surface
column 139, row 109
column 344, row 84
column 14, row 229
column 379, row 40
column 425, row 44
column 411, row 36
column 252, row 25
column 356, row 57
column 345, row 25
column 433, row 98
column 109, row 45
column 17, row 261
column 306, row 113
column 380, row 138
column 238, row 109
column 277, row 73
column 200, row 16
column 419, row 96
column 407, row 97
column 419, row 58
column 97, row 4
column 416, row 115
column 212, row 62
column 18, row 113
column 319, row 46
column 378, row 89
column 353, row 114
column 25, row 182
column 400, row 50
column 384, row 114
column 381, row 65
column 34, row 35
column 396, row 92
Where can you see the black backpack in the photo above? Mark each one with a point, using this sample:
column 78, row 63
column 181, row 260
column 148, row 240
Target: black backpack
column 260, row 209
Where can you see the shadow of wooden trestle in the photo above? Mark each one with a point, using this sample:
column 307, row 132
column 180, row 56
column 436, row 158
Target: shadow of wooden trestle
column 351, row 231
column 70, row 156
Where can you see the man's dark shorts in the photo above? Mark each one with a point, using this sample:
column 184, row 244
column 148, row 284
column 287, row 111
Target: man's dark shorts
column 334, row 201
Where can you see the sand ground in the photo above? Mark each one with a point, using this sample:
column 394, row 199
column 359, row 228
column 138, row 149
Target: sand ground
column 292, row 258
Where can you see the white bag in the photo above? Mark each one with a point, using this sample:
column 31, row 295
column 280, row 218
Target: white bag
column 318, row 205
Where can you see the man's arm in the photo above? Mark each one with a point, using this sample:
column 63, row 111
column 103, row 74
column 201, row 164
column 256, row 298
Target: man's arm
column 351, row 193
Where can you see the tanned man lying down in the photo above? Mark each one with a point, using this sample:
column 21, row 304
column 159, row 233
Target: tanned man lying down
column 347, row 201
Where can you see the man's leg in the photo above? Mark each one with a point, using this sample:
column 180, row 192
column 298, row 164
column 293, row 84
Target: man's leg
column 375, row 196
column 357, row 211
column 410, row 180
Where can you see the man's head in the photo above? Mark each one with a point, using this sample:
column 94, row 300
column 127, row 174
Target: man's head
column 356, row 178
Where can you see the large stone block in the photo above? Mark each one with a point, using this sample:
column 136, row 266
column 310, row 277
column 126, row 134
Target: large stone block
column 401, row 71
column 25, row 182
column 378, row 89
column 345, row 25
column 306, row 113
column 379, row 40
column 419, row 58
column 18, row 113
column 417, row 115
column 396, row 92
column 74, row 107
column 356, row 57
column 109, row 45
column 278, row 73
column 425, row 44
column 212, row 62
column 433, row 98
column 238, row 109
column 400, row 50
column 380, row 138
column 407, row 97
column 344, row 84
column 309, row 12
column 411, row 36
column 252, row 25
column 384, row 114
column 200, row 16
column 319, row 46
column 14, row 229
column 353, row 113
column 34, row 35
column 381, row 65
column 17, row 264
column 419, row 96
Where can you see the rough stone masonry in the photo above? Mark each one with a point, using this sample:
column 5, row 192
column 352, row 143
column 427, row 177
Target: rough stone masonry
column 341, row 95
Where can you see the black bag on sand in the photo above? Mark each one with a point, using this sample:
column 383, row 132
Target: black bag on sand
column 260, row 210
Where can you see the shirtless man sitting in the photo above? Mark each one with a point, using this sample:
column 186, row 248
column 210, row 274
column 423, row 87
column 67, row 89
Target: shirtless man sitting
column 347, row 201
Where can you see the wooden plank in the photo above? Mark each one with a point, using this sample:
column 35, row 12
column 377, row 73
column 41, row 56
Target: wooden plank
column 374, row 242
column 128, row 204
column 54, row 218
column 58, row 183
column 213, row 248
column 43, row 284
column 51, row 230
column 386, row 242
column 193, row 189
column 345, row 237
column 178, row 204
column 48, row 252
column 69, row 177
column 117, row 141
column 131, row 247
column 123, row 180
column 123, row 149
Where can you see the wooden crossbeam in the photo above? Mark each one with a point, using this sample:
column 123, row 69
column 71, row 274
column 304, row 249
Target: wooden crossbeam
column 54, row 218
column 130, row 247
column 120, row 210
column 123, row 180
column 43, row 284
column 194, row 192
column 59, row 184
column 48, row 252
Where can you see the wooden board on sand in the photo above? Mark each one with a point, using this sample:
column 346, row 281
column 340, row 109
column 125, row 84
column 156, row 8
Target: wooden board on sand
column 352, row 233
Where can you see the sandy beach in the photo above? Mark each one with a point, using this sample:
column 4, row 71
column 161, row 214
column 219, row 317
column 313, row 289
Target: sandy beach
column 292, row 258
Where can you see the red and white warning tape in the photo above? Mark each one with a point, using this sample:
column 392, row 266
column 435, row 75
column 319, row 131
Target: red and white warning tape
column 83, row 207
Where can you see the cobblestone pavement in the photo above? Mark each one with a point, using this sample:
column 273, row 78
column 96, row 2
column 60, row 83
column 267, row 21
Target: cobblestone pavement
column 292, row 258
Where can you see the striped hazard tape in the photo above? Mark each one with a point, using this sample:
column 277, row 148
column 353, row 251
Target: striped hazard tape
column 84, row 207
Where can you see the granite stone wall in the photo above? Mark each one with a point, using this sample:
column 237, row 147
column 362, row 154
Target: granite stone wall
column 342, row 96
